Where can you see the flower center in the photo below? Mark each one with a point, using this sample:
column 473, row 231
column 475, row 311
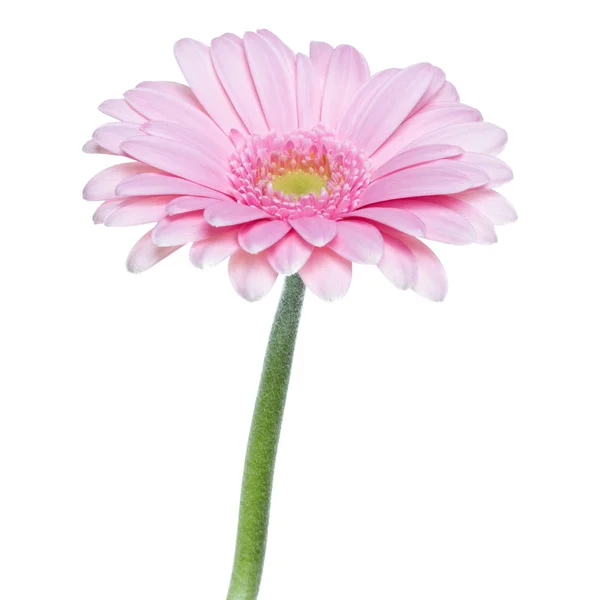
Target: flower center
column 298, row 174
column 299, row 183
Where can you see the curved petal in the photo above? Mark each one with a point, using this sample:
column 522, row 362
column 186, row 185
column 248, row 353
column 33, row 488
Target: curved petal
column 390, row 106
column 184, row 204
column 422, row 180
column 285, row 51
column 119, row 109
column 251, row 275
column 183, row 135
column 347, row 71
column 274, row 83
column 105, row 209
column 290, row 254
column 398, row 263
column 358, row 242
column 111, row 135
column 258, row 236
column 491, row 204
column 175, row 90
column 428, row 119
column 483, row 227
column 102, row 185
column 447, row 93
column 430, row 281
column 437, row 82
column 222, row 214
column 326, row 274
column 442, row 224
column 213, row 250
column 416, row 156
column 178, row 159
column 471, row 137
column 317, row 231
column 361, row 101
column 196, row 65
column 395, row 218
column 138, row 211
column 497, row 170
column 232, row 69
column 161, row 107
column 181, row 229
column 320, row 56
column 146, row 254
column 91, row 147
column 308, row 93
column 154, row 183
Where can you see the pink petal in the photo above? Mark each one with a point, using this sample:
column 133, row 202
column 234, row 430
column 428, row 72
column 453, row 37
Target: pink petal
column 111, row 136
column 358, row 242
column 483, row 227
column 213, row 250
column 290, row 254
column 185, row 204
column 285, row 51
column 105, row 209
column 251, row 275
column 153, row 184
column 175, row 90
column 326, row 274
column 390, row 106
column 428, row 119
column 309, row 93
column 102, row 185
column 177, row 159
column 437, row 82
column 430, row 281
column 256, row 237
column 161, row 107
column 274, row 83
column 398, row 263
column 91, row 147
column 227, row 213
column 317, row 231
column 416, row 156
column 146, row 254
column 119, row 109
column 422, row 180
column 180, row 229
column 491, row 204
column 196, row 65
column 231, row 66
column 362, row 100
column 447, row 93
column 497, row 170
column 395, row 218
column 138, row 211
column 177, row 133
column 347, row 71
column 471, row 137
column 320, row 56
column 442, row 224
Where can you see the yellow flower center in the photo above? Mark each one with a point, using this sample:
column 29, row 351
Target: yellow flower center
column 299, row 183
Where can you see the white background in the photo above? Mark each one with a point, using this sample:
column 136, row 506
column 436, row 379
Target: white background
column 429, row 451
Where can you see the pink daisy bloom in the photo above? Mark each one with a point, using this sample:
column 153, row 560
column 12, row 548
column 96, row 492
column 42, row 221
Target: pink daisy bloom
column 285, row 163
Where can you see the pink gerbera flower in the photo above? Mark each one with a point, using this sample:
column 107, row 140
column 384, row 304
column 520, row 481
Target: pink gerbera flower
column 285, row 163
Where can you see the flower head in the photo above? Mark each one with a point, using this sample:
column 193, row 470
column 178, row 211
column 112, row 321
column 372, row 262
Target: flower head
column 285, row 163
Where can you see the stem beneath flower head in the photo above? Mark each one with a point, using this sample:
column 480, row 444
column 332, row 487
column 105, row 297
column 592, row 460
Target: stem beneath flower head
column 262, row 445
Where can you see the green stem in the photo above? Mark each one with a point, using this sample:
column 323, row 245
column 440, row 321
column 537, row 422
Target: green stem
column 262, row 445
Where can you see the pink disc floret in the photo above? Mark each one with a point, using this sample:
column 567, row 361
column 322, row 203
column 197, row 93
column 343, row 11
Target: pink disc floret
column 259, row 159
